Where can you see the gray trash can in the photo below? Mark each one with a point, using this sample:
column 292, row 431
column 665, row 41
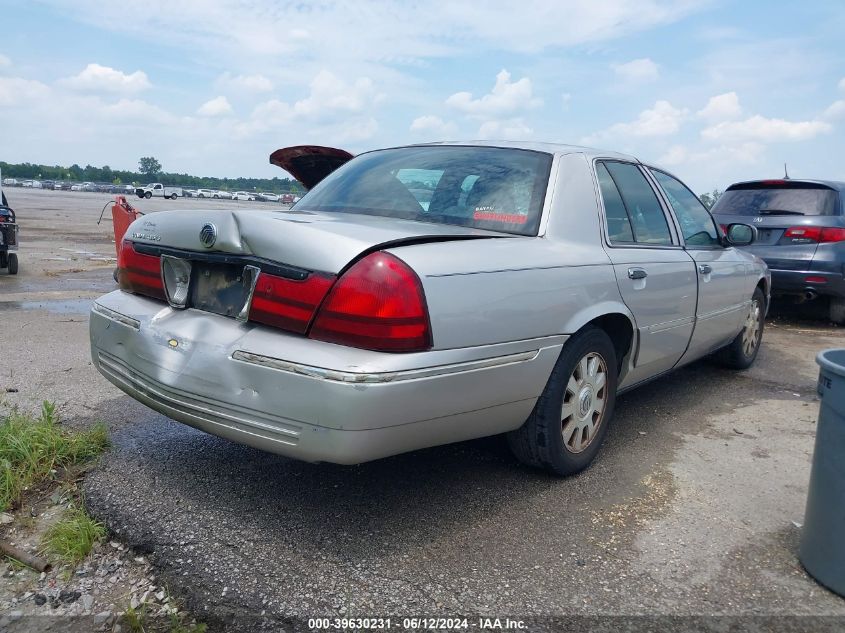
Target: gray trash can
column 822, row 550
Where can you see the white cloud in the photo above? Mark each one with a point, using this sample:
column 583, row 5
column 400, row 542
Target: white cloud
column 433, row 126
column 663, row 119
column 5, row 62
column 16, row 91
column 762, row 129
column 136, row 112
column 506, row 98
column 637, row 70
column 249, row 83
column 834, row 111
column 219, row 106
column 508, row 129
column 97, row 78
column 330, row 94
column 334, row 107
column 434, row 28
column 723, row 155
column 721, row 108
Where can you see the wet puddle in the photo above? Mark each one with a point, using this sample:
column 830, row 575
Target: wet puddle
column 56, row 306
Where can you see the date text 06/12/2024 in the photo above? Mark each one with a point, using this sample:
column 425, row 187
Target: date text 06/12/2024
column 416, row 623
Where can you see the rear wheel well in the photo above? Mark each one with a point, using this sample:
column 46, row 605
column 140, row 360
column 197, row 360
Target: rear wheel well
column 618, row 327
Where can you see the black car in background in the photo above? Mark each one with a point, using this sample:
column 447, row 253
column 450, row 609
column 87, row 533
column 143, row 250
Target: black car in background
column 801, row 234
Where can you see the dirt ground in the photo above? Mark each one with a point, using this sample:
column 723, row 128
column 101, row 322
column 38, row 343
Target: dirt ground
column 694, row 507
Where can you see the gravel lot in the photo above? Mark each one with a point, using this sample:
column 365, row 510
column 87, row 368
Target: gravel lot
column 692, row 508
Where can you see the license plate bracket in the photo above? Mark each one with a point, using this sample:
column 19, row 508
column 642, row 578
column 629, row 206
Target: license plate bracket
column 224, row 289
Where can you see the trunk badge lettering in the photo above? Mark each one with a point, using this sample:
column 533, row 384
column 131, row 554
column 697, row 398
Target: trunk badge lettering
column 208, row 234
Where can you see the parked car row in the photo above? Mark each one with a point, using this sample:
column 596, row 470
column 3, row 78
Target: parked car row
column 250, row 196
column 66, row 185
column 153, row 189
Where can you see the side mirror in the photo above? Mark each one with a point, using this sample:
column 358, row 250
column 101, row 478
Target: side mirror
column 741, row 234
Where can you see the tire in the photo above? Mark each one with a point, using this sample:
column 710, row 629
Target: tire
column 541, row 441
column 148, row 195
column 742, row 351
column 837, row 310
column 13, row 264
column 202, row 195
column 173, row 196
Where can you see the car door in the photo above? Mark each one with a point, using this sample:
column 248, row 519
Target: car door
column 722, row 286
column 655, row 275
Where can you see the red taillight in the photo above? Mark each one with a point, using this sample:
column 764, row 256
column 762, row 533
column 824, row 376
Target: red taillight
column 815, row 280
column 833, row 235
column 287, row 303
column 815, row 234
column 377, row 304
column 139, row 273
column 804, row 233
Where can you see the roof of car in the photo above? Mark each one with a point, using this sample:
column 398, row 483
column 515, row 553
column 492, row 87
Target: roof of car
column 550, row 148
column 833, row 184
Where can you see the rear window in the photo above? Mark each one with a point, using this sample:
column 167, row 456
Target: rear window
column 498, row 189
column 774, row 200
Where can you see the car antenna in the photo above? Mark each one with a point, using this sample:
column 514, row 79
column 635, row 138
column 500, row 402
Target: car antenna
column 785, row 173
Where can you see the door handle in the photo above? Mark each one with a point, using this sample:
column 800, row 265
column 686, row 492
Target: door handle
column 637, row 273
column 705, row 269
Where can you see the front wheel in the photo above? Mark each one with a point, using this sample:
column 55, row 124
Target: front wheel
column 148, row 195
column 13, row 264
column 565, row 430
column 742, row 351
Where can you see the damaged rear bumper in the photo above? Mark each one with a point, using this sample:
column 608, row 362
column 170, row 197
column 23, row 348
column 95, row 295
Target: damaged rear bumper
column 307, row 399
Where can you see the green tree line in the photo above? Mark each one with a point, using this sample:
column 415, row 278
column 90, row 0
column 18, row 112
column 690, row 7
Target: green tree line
column 106, row 174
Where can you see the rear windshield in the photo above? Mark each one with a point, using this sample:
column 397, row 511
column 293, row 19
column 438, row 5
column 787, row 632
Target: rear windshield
column 777, row 200
column 498, row 189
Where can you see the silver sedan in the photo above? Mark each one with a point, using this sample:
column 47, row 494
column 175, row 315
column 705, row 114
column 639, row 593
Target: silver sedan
column 429, row 294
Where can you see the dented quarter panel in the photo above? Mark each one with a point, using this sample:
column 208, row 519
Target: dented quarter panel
column 314, row 241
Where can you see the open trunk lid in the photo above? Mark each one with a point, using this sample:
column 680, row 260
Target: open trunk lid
column 309, row 164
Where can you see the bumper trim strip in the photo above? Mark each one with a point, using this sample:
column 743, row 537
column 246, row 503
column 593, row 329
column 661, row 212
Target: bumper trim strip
column 145, row 387
column 381, row 377
column 117, row 317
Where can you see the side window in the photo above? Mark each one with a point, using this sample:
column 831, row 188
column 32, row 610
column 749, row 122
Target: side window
column 697, row 224
column 647, row 221
column 618, row 224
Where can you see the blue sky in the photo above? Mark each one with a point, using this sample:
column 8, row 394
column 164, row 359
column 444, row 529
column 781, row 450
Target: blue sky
column 716, row 91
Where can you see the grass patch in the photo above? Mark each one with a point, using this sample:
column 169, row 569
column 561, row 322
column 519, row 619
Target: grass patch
column 72, row 537
column 33, row 449
column 139, row 620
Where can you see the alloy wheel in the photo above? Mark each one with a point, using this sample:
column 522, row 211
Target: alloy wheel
column 751, row 331
column 584, row 402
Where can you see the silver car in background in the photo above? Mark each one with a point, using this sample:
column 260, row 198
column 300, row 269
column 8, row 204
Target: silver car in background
column 429, row 294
